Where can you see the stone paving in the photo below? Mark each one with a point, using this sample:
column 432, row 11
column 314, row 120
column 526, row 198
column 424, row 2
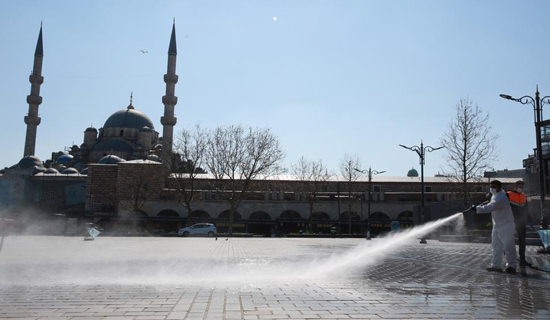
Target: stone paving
column 175, row 278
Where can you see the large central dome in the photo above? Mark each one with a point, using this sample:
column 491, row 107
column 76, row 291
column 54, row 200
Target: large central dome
column 129, row 118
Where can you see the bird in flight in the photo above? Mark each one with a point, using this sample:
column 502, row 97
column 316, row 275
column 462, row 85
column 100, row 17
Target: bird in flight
column 142, row 51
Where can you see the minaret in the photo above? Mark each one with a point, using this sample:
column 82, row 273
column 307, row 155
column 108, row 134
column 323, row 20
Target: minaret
column 169, row 100
column 34, row 99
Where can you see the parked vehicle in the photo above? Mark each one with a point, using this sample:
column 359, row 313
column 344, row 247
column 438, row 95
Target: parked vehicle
column 199, row 229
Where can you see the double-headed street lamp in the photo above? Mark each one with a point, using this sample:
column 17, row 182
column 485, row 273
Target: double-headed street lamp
column 369, row 173
column 421, row 151
column 537, row 102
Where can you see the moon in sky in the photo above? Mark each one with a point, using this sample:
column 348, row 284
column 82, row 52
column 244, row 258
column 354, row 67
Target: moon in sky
column 274, row 18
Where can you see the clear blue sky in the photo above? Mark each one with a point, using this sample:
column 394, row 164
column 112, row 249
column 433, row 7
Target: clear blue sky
column 329, row 77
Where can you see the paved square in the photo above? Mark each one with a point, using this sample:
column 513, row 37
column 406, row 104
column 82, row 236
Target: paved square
column 193, row 278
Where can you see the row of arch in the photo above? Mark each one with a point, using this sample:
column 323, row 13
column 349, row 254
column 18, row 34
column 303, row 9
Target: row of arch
column 287, row 215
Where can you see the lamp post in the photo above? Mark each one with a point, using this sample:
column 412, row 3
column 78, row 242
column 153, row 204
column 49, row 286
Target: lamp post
column 421, row 151
column 537, row 104
column 369, row 173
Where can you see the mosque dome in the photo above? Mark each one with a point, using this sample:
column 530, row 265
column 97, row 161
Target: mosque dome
column 113, row 145
column 153, row 157
column 29, row 162
column 37, row 170
column 51, row 171
column 64, row 159
column 70, row 171
column 91, row 129
column 412, row 173
column 111, row 159
column 84, row 171
column 129, row 118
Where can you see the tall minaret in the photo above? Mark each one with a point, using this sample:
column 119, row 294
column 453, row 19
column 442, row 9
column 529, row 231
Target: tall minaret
column 34, row 99
column 169, row 100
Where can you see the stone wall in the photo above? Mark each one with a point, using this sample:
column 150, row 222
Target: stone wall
column 101, row 187
column 138, row 183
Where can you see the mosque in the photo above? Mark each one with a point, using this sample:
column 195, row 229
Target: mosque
column 127, row 135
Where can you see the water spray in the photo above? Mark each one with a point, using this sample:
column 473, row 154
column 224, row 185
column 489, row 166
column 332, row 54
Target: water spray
column 367, row 254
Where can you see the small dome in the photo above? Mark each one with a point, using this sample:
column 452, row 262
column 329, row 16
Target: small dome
column 412, row 173
column 51, row 171
column 64, row 159
column 70, row 171
column 145, row 129
column 84, row 171
column 91, row 129
column 111, row 159
column 113, row 145
column 38, row 169
column 29, row 162
column 129, row 118
column 153, row 157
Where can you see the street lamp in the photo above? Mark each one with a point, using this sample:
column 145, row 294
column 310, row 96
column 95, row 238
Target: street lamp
column 421, row 151
column 369, row 173
column 537, row 104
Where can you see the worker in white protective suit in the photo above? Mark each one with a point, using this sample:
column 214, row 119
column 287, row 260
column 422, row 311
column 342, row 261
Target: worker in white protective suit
column 504, row 228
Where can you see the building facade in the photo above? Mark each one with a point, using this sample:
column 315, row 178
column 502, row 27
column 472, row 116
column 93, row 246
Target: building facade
column 121, row 193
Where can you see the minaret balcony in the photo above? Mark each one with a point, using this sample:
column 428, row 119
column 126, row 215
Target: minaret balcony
column 170, row 78
column 35, row 78
column 170, row 100
column 35, row 100
column 32, row 120
column 168, row 121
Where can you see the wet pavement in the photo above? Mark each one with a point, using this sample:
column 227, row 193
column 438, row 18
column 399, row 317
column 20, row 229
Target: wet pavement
column 188, row 278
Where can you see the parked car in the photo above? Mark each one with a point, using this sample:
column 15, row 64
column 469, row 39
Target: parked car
column 199, row 229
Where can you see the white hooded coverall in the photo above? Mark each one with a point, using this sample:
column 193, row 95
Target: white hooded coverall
column 504, row 229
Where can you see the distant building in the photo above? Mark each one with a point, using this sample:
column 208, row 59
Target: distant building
column 515, row 173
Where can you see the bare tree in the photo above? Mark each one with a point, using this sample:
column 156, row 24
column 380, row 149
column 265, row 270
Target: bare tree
column 348, row 164
column 137, row 185
column 470, row 145
column 133, row 197
column 190, row 146
column 311, row 176
column 236, row 157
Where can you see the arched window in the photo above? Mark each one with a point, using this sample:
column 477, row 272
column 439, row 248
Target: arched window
column 199, row 214
column 260, row 215
column 121, row 133
column 225, row 215
column 168, row 213
column 290, row 214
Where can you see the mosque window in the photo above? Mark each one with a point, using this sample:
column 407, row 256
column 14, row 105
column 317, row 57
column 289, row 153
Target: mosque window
column 121, row 133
